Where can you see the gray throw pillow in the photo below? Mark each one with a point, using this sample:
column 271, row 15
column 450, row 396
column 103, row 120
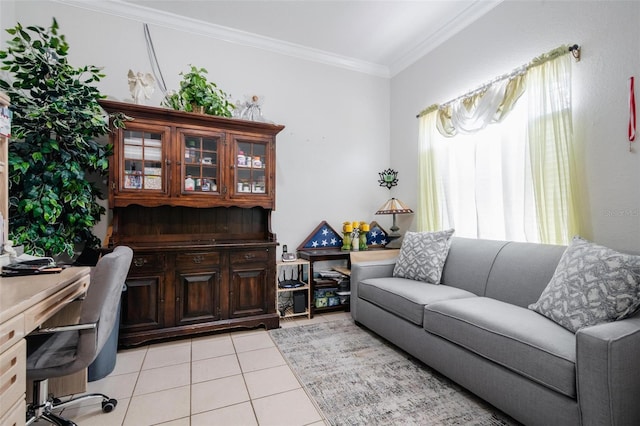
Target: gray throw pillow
column 592, row 284
column 422, row 256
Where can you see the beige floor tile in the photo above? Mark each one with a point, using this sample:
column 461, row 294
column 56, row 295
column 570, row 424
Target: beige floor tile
column 158, row 407
column 165, row 354
column 257, row 330
column 211, row 347
column 214, row 368
column 207, row 396
column 118, row 386
column 270, row 381
column 288, row 408
column 235, row 415
column 237, row 378
column 185, row 421
column 260, row 359
column 251, row 342
column 129, row 361
column 163, row 378
column 92, row 415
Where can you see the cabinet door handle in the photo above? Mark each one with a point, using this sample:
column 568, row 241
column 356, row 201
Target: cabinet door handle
column 139, row 261
column 167, row 162
column 178, row 163
column 249, row 256
column 224, row 189
column 197, row 259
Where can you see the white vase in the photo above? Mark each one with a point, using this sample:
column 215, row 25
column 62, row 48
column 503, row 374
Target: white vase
column 355, row 243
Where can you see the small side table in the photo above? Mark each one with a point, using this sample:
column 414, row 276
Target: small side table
column 300, row 265
column 317, row 256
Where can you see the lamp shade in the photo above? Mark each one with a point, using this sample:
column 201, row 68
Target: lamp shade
column 394, row 206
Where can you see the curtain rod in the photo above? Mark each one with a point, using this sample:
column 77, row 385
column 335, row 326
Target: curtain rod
column 559, row 51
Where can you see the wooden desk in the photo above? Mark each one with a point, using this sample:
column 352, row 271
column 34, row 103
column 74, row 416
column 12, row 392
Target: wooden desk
column 25, row 303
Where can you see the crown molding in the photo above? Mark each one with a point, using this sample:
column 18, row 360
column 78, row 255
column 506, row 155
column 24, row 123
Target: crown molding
column 219, row 32
column 169, row 20
column 447, row 30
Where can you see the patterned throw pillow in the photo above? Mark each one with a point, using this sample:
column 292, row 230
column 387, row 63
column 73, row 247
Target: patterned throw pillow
column 422, row 256
column 592, row 284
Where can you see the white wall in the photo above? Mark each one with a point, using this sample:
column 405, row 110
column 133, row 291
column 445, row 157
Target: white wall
column 338, row 122
column 511, row 35
column 336, row 138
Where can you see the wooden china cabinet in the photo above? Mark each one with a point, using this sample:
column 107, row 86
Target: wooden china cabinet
column 192, row 195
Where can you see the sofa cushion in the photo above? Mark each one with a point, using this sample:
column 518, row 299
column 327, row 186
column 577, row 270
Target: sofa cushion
column 422, row 256
column 512, row 336
column 591, row 285
column 406, row 298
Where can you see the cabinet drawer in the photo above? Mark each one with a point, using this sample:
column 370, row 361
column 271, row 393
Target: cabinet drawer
column 15, row 416
column 11, row 332
column 146, row 263
column 13, row 371
column 248, row 256
column 192, row 260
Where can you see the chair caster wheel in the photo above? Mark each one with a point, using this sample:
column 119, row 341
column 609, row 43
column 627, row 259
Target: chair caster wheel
column 108, row 406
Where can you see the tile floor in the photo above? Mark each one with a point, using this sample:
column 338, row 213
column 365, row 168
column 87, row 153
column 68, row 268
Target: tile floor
column 237, row 378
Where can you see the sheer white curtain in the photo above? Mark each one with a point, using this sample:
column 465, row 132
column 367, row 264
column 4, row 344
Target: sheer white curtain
column 509, row 180
column 551, row 149
column 482, row 183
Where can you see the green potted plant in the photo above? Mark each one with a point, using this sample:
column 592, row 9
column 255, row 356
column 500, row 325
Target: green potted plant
column 197, row 94
column 56, row 120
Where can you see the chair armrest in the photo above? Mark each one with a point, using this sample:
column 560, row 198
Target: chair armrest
column 608, row 372
column 365, row 270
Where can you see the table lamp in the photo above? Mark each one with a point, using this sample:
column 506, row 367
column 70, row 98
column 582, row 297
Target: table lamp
column 394, row 206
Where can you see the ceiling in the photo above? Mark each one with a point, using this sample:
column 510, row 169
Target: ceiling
column 376, row 37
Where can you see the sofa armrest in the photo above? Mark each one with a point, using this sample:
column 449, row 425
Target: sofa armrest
column 365, row 270
column 608, row 372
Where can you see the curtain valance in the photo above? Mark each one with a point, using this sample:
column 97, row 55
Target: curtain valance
column 490, row 103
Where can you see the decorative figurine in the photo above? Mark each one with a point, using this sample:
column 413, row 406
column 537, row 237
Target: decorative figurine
column 140, row 86
column 388, row 178
column 250, row 109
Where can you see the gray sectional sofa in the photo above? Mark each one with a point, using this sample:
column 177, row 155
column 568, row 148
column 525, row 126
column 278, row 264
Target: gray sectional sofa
column 476, row 329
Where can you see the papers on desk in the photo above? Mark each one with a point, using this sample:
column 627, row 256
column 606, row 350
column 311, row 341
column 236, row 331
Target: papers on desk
column 35, row 266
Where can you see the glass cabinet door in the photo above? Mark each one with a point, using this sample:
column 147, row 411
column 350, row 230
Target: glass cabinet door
column 201, row 154
column 251, row 159
column 142, row 161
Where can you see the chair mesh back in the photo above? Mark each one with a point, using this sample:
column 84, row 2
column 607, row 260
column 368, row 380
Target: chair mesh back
column 105, row 290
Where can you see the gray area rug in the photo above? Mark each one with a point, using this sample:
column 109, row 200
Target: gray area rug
column 357, row 378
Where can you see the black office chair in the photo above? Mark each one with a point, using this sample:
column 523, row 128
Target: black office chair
column 59, row 351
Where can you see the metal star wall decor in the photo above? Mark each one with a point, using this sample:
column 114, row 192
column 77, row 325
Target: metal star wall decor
column 388, row 178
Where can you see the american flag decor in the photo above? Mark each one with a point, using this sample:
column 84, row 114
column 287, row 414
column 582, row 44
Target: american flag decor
column 323, row 237
column 376, row 237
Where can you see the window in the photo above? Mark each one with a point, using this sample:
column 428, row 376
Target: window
column 512, row 179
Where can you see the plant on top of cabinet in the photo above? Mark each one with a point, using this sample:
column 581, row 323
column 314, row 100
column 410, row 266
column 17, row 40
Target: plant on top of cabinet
column 56, row 119
column 197, row 94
